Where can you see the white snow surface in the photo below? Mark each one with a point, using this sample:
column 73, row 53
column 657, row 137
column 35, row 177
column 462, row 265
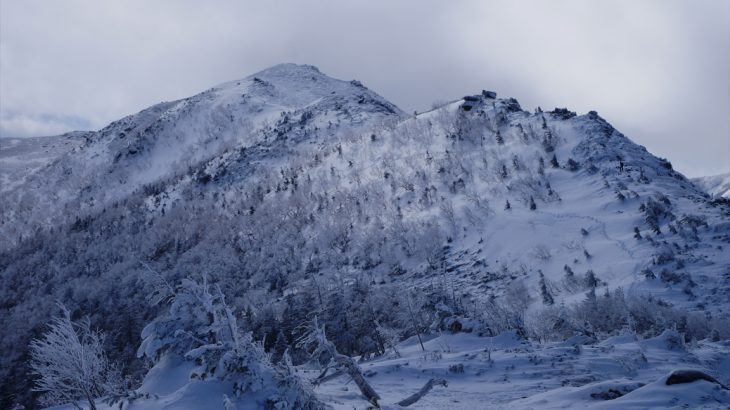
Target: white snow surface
column 501, row 372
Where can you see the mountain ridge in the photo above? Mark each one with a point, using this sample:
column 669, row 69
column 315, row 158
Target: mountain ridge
column 154, row 142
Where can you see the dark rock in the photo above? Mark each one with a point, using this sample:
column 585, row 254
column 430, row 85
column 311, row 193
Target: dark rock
column 609, row 394
column 562, row 113
column 689, row 376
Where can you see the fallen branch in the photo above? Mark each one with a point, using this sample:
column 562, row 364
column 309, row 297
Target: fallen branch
column 424, row 390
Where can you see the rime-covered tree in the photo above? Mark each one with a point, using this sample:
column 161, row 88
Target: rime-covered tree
column 590, row 279
column 201, row 327
column 71, row 365
column 547, row 298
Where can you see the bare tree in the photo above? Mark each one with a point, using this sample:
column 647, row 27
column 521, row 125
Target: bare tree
column 71, row 364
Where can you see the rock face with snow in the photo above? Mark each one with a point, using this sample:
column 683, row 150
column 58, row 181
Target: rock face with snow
column 717, row 186
column 301, row 194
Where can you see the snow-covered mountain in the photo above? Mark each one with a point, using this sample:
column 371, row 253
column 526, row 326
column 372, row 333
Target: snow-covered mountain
column 717, row 186
column 302, row 195
column 169, row 138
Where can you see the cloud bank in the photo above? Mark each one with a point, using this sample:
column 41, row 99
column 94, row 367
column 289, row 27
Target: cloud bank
column 656, row 69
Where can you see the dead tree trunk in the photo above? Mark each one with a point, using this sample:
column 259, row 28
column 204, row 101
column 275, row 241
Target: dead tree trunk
column 413, row 323
column 318, row 339
column 352, row 369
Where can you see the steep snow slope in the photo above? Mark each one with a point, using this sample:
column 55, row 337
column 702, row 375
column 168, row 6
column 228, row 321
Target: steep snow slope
column 717, row 185
column 300, row 194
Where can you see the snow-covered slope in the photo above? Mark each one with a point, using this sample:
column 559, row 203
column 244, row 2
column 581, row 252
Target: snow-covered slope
column 21, row 157
column 717, row 185
column 303, row 195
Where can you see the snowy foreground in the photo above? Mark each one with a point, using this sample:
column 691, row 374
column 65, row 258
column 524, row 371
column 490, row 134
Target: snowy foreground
column 494, row 373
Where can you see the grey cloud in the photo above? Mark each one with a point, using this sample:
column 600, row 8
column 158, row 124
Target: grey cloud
column 15, row 125
column 658, row 70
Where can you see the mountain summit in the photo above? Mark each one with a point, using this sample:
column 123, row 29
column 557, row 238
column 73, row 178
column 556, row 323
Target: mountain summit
column 166, row 139
column 300, row 196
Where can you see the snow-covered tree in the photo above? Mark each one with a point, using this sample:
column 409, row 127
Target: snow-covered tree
column 201, row 327
column 71, row 365
column 547, row 297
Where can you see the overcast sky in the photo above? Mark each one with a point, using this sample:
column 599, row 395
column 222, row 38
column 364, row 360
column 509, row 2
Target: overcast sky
column 658, row 70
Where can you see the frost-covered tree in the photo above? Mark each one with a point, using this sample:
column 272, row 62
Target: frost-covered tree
column 591, row 281
column 201, row 327
column 390, row 336
column 71, row 365
column 547, row 297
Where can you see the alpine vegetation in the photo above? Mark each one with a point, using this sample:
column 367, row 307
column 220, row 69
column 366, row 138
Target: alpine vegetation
column 293, row 241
